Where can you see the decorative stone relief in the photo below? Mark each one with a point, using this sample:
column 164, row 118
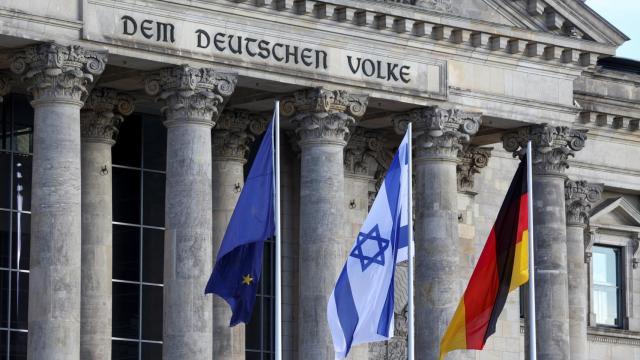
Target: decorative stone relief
column 322, row 115
column 440, row 133
column 365, row 154
column 234, row 131
column 472, row 158
column 579, row 197
column 103, row 112
column 445, row 6
column 552, row 146
column 194, row 95
column 54, row 71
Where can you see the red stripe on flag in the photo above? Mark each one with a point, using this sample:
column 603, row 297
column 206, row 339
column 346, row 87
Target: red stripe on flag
column 480, row 296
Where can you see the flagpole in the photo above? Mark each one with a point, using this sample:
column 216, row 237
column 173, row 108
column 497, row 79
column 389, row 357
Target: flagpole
column 278, row 240
column 532, row 274
column 410, row 312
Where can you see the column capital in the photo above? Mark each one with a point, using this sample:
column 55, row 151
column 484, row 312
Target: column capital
column 191, row 95
column 472, row 158
column 440, row 133
column 103, row 112
column 322, row 115
column 364, row 154
column 233, row 132
column 551, row 145
column 579, row 197
column 5, row 85
column 54, row 72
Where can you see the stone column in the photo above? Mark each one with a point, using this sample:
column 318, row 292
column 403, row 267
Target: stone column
column 192, row 97
column 322, row 118
column 552, row 146
column 100, row 119
column 230, row 139
column 57, row 76
column 579, row 196
column 440, row 135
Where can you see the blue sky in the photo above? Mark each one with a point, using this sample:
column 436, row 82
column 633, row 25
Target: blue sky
column 625, row 15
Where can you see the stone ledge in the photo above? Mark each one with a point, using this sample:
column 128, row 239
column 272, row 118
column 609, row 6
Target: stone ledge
column 607, row 335
column 614, row 336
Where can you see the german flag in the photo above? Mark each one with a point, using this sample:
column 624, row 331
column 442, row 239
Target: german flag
column 502, row 267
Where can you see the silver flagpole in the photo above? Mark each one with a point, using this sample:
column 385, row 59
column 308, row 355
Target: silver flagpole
column 278, row 242
column 411, row 331
column 532, row 273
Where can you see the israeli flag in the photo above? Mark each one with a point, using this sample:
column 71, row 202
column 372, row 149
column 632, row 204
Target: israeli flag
column 360, row 309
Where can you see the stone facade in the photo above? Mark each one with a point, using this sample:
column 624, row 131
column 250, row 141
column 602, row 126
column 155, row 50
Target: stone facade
column 478, row 79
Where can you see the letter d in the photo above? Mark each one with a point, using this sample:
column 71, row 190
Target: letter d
column 203, row 34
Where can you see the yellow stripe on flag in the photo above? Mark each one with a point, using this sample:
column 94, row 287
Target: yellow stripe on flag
column 520, row 274
column 456, row 335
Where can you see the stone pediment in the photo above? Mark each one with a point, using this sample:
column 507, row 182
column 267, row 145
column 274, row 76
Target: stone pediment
column 572, row 18
column 615, row 212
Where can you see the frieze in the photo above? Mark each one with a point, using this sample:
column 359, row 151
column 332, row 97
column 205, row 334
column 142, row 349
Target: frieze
column 440, row 133
column 102, row 114
column 323, row 116
column 552, row 146
column 190, row 94
column 365, row 154
column 56, row 71
column 234, row 131
column 579, row 198
column 472, row 158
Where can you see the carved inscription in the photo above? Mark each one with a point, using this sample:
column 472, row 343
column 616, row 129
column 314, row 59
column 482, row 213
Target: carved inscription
column 252, row 47
column 260, row 48
column 163, row 32
column 380, row 69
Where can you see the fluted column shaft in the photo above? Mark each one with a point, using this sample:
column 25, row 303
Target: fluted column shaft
column 193, row 98
column 322, row 118
column 579, row 196
column 551, row 148
column 100, row 119
column 438, row 287
column 57, row 77
column 232, row 134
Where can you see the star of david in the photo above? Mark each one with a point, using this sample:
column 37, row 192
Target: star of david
column 363, row 253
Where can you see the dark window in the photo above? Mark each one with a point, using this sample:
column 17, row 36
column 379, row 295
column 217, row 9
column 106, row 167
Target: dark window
column 126, row 195
column 259, row 332
column 138, row 238
column 16, row 146
column 607, row 286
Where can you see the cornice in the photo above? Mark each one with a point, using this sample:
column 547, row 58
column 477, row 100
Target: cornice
column 412, row 23
column 45, row 20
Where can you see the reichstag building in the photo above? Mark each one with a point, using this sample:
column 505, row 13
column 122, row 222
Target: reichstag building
column 127, row 128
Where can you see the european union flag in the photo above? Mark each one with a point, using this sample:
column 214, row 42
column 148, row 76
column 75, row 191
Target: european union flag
column 236, row 274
